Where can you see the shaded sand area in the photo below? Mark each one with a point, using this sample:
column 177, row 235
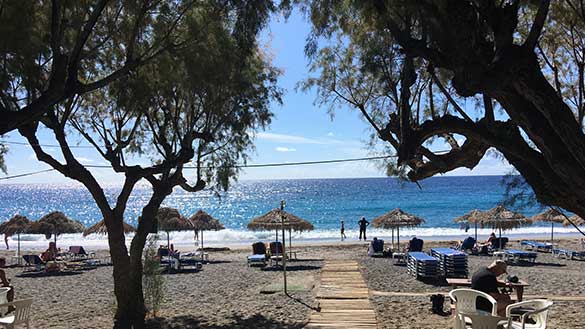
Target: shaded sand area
column 229, row 294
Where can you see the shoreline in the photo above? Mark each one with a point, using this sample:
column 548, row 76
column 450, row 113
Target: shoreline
column 101, row 242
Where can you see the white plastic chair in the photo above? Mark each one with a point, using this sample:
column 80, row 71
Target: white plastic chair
column 465, row 302
column 539, row 314
column 4, row 299
column 20, row 315
column 484, row 321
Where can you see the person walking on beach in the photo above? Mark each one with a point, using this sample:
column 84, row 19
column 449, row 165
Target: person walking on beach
column 343, row 237
column 363, row 224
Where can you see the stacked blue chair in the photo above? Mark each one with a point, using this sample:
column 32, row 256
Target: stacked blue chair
column 421, row 265
column 452, row 263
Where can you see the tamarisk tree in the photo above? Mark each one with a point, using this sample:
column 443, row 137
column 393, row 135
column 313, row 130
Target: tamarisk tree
column 54, row 50
column 407, row 66
column 196, row 105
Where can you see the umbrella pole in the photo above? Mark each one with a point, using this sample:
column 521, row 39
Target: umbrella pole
column 398, row 236
column 500, row 242
column 392, row 238
column 552, row 229
column 476, row 232
column 290, row 242
column 18, row 250
column 202, row 246
column 168, row 241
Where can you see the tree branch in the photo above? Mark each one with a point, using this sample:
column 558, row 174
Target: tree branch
column 537, row 25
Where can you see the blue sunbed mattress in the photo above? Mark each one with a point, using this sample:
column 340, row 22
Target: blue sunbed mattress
column 536, row 244
column 521, row 253
column 257, row 258
column 448, row 252
column 421, row 256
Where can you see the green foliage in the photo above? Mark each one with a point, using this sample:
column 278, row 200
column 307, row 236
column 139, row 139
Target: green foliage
column 202, row 101
column 153, row 281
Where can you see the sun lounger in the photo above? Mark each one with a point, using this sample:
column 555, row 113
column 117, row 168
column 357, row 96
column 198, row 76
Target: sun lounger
column 452, row 263
column 535, row 245
column 33, row 262
column 468, row 244
column 421, row 265
column 516, row 256
column 258, row 256
column 78, row 253
column 415, row 244
column 569, row 254
column 376, row 248
column 499, row 243
column 276, row 252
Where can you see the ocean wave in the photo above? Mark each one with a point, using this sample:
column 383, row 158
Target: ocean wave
column 229, row 237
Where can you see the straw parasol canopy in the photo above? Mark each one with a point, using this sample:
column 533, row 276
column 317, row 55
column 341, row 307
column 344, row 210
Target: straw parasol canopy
column 575, row 219
column 170, row 219
column 503, row 219
column 473, row 217
column 203, row 221
column 55, row 223
column 15, row 225
column 552, row 216
column 100, row 228
column 272, row 220
column 396, row 219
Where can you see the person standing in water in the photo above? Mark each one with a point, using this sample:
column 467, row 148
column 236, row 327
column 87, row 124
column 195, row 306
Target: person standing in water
column 343, row 237
column 363, row 224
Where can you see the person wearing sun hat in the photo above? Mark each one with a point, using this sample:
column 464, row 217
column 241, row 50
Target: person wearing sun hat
column 486, row 280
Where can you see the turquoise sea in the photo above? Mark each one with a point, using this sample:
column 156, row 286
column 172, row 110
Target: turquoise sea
column 322, row 201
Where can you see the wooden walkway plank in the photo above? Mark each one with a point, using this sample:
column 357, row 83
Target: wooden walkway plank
column 344, row 299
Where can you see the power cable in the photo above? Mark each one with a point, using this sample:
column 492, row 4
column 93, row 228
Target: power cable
column 235, row 166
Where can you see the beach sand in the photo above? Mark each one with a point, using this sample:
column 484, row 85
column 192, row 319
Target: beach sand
column 229, row 294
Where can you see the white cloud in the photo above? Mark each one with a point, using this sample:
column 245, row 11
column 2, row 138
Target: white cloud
column 287, row 138
column 84, row 160
column 330, row 134
column 285, row 149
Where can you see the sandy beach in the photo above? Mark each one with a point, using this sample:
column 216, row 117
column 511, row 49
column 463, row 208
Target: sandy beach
column 229, row 294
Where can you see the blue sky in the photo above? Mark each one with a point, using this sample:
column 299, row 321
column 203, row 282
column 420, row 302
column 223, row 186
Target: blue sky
column 300, row 131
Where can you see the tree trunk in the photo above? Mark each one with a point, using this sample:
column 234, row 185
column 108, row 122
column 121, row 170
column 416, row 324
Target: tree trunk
column 131, row 310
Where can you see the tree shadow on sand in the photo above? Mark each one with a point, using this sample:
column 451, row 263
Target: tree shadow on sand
column 235, row 321
column 292, row 268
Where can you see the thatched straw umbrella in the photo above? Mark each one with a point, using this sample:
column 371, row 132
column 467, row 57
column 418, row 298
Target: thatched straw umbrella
column 203, row 221
column 15, row 225
column 473, row 216
column 395, row 219
column 170, row 219
column 575, row 220
column 272, row 220
column 100, row 228
column 503, row 219
column 55, row 223
column 553, row 216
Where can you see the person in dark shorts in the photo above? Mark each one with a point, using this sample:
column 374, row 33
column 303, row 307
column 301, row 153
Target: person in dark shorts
column 343, row 237
column 486, row 280
column 363, row 224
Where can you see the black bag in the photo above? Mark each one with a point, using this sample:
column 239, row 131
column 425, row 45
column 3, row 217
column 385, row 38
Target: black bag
column 438, row 300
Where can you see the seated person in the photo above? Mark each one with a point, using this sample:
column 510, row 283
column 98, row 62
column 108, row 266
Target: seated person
column 415, row 244
column 376, row 247
column 51, row 253
column 174, row 252
column 486, row 280
column 484, row 247
column 468, row 243
column 5, row 281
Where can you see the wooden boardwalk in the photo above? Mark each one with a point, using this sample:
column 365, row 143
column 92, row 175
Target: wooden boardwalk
column 343, row 297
